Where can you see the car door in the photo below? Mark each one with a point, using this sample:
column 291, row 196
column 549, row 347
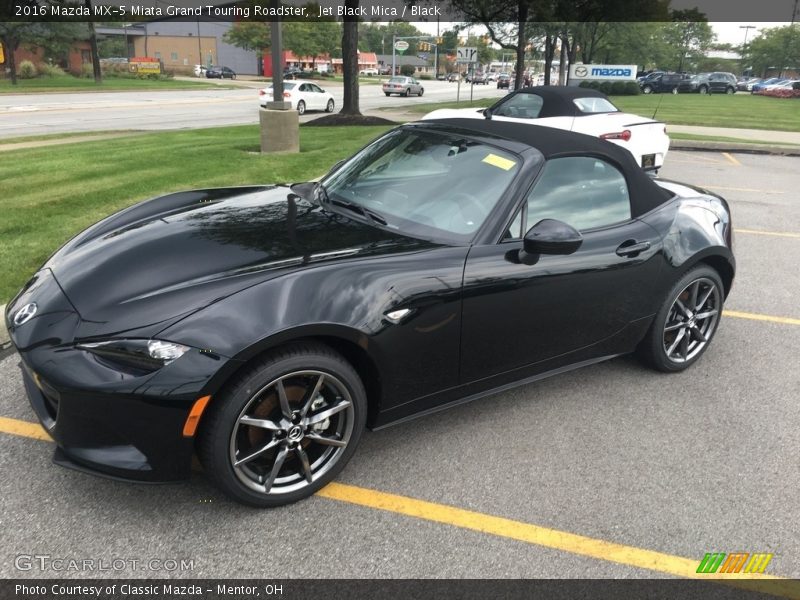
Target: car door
column 521, row 313
column 320, row 98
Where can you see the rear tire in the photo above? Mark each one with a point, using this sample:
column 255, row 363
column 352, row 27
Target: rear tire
column 301, row 107
column 686, row 323
column 293, row 397
column 674, row 91
column 703, row 89
column 407, row 93
column 387, row 94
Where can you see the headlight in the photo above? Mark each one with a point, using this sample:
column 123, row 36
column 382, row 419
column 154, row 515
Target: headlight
column 140, row 355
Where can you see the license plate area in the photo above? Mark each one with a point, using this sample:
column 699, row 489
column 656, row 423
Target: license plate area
column 648, row 161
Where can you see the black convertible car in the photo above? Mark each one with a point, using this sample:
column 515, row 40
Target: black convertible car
column 264, row 327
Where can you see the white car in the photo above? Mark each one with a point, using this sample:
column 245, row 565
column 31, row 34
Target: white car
column 368, row 72
column 303, row 95
column 200, row 70
column 582, row 110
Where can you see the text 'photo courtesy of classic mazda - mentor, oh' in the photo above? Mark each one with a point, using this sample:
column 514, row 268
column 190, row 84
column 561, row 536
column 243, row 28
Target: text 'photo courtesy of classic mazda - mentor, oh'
column 263, row 328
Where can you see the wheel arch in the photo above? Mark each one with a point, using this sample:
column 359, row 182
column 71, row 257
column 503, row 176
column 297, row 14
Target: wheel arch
column 353, row 345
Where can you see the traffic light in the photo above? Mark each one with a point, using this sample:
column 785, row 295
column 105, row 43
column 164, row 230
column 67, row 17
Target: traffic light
column 424, row 47
column 439, row 41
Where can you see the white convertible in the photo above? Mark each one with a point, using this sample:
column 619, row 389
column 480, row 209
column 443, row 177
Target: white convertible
column 576, row 109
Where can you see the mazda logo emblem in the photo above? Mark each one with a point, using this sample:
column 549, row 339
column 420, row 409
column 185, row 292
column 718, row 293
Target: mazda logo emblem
column 581, row 71
column 25, row 314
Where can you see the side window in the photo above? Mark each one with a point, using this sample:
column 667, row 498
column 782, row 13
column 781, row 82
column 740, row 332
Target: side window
column 521, row 106
column 583, row 191
column 304, row 88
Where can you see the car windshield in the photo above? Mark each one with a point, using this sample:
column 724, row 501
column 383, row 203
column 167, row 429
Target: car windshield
column 423, row 183
column 593, row 105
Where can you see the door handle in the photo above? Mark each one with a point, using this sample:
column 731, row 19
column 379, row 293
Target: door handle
column 631, row 248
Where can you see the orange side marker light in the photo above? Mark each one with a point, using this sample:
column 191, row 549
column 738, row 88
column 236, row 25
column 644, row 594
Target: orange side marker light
column 193, row 420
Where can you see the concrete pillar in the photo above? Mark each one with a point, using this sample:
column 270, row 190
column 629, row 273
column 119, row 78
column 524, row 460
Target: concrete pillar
column 280, row 128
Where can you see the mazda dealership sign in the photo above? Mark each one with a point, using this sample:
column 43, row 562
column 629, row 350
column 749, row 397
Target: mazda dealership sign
column 578, row 73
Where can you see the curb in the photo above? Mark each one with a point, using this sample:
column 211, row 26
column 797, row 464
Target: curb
column 5, row 340
column 771, row 149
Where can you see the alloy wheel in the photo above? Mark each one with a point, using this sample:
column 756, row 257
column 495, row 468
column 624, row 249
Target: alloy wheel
column 291, row 432
column 691, row 320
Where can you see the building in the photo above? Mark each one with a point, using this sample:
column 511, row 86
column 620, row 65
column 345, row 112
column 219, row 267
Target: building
column 79, row 54
column 322, row 63
column 421, row 66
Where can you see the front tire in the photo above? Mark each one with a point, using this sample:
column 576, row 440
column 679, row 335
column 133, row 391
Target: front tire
column 647, row 89
column 330, row 106
column 421, row 91
column 703, row 89
column 674, row 91
column 285, row 427
column 730, row 91
column 686, row 322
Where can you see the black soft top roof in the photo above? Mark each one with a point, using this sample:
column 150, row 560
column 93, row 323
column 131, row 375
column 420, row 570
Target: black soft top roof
column 557, row 100
column 552, row 143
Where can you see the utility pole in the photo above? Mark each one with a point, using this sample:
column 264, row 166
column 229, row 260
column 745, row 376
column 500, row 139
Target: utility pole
column 747, row 29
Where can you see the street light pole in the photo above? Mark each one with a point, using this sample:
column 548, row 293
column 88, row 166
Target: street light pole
column 747, row 29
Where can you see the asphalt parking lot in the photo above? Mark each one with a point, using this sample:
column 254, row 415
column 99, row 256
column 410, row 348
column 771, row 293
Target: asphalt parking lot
column 609, row 471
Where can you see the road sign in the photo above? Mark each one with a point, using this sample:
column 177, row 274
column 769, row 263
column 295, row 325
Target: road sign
column 401, row 46
column 467, row 55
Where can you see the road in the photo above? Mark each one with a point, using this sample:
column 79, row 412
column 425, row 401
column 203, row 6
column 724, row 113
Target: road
column 681, row 465
column 29, row 114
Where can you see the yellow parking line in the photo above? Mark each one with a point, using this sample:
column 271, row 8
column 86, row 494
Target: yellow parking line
column 731, row 159
column 775, row 233
column 24, row 429
column 515, row 530
column 759, row 317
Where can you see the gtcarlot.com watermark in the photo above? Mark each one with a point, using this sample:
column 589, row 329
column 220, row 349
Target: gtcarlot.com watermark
column 60, row 564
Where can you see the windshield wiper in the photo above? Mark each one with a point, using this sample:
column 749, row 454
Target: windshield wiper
column 355, row 207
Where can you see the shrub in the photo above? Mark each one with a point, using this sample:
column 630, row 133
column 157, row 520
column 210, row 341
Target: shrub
column 408, row 70
column 46, row 70
column 632, row 88
column 425, row 76
column 617, row 88
column 27, row 70
column 87, row 71
column 605, row 87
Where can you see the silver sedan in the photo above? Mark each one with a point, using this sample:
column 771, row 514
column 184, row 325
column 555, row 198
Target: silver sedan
column 403, row 86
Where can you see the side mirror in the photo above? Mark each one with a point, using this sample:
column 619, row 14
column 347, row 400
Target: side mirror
column 550, row 236
column 487, row 113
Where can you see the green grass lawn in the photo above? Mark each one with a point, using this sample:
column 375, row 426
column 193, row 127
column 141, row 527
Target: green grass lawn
column 741, row 110
column 50, row 194
column 722, row 138
column 68, row 83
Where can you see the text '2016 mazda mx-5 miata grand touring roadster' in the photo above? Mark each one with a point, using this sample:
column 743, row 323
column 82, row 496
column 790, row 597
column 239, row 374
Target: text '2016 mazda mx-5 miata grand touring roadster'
column 263, row 328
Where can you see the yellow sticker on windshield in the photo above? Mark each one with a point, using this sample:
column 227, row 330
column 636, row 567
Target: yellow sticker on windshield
column 499, row 161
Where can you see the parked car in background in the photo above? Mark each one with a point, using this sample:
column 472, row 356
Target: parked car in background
column 200, row 70
column 503, row 80
column 303, row 96
column 662, row 83
column 583, row 110
column 368, row 72
column 220, row 73
column 403, row 86
column 293, row 73
column 453, row 76
column 746, row 84
column 710, row 83
column 775, row 84
column 757, row 87
column 479, row 79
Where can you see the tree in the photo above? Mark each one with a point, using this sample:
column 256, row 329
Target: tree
column 249, row 35
column 377, row 38
column 98, row 74
column 312, row 39
column 775, row 47
column 689, row 35
column 350, row 103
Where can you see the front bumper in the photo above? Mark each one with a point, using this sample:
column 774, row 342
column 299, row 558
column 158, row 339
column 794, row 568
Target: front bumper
column 112, row 422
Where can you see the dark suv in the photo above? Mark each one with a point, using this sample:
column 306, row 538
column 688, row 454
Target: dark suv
column 707, row 83
column 661, row 83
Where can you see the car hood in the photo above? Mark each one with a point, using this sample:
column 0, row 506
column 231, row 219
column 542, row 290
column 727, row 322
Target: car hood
column 163, row 259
